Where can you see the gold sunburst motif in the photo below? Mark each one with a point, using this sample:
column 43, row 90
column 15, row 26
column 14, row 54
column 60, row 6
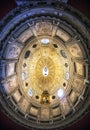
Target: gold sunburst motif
column 47, row 73
column 44, row 71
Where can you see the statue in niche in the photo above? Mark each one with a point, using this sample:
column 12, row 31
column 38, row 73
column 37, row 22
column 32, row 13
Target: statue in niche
column 45, row 97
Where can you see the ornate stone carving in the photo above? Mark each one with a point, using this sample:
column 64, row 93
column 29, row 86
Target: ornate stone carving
column 12, row 52
column 44, row 28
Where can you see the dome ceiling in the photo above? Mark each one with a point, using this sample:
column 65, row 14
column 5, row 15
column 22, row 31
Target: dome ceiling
column 44, row 66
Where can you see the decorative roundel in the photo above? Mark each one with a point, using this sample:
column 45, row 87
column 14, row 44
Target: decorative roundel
column 45, row 65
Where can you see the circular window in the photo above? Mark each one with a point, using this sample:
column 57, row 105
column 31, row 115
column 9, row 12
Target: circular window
column 34, row 46
column 27, row 54
column 63, row 53
column 60, row 93
column 44, row 41
column 55, row 45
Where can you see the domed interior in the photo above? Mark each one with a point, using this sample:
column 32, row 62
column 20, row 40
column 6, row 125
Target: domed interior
column 49, row 74
column 44, row 68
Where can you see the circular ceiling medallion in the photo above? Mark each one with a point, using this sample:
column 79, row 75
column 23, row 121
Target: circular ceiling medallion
column 45, row 65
